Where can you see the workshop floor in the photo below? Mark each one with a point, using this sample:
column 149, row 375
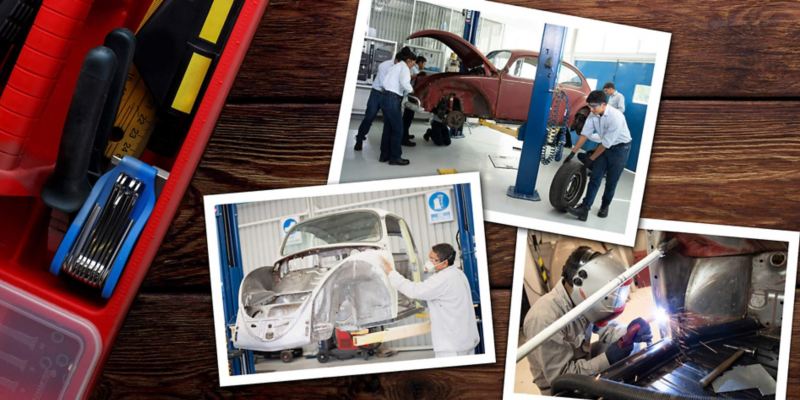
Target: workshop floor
column 472, row 154
column 275, row 365
column 641, row 304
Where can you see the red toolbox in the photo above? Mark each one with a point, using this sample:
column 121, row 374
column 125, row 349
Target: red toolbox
column 55, row 335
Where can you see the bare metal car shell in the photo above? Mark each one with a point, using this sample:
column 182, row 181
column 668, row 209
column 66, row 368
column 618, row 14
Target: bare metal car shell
column 341, row 286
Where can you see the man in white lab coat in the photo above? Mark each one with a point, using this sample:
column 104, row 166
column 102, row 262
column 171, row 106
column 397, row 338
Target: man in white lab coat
column 454, row 329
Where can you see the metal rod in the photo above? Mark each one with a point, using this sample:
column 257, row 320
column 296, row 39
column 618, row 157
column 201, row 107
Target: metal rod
column 576, row 312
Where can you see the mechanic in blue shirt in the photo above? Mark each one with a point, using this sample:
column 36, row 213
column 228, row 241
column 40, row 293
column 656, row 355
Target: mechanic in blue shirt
column 608, row 159
column 374, row 100
column 408, row 113
column 615, row 98
column 396, row 85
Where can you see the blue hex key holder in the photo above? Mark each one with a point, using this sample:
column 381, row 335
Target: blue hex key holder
column 99, row 241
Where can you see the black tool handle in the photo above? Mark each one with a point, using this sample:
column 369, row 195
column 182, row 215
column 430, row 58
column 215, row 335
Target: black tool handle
column 67, row 188
column 123, row 43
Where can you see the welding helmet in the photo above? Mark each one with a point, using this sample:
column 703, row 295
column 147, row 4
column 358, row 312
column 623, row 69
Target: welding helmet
column 588, row 271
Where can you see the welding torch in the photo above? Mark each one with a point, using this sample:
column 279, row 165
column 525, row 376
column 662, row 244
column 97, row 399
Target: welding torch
column 612, row 285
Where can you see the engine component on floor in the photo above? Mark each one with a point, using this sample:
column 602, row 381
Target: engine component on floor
column 455, row 119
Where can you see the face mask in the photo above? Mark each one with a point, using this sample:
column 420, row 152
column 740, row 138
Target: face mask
column 429, row 266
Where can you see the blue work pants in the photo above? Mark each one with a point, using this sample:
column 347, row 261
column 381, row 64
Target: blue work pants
column 392, row 138
column 610, row 165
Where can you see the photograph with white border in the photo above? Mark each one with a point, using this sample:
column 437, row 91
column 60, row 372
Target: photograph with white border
column 690, row 311
column 349, row 279
column 562, row 142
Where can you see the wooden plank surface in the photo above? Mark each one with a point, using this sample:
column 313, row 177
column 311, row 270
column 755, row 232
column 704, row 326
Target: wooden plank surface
column 719, row 49
column 726, row 151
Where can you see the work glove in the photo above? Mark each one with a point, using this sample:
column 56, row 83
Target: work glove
column 569, row 157
column 644, row 334
column 618, row 350
column 588, row 162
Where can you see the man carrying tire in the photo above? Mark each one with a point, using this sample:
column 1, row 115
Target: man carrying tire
column 608, row 159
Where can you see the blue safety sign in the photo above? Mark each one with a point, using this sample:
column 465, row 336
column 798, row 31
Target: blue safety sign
column 439, row 206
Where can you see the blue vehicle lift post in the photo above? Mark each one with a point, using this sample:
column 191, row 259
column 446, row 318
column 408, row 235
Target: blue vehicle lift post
column 232, row 273
column 466, row 239
column 534, row 131
column 471, row 18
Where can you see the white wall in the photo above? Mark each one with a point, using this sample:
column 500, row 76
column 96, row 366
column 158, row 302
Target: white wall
column 610, row 45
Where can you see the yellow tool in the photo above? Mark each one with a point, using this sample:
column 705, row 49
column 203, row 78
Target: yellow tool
column 139, row 111
column 136, row 116
column 446, row 171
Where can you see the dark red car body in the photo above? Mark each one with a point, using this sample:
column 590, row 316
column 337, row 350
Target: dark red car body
column 488, row 92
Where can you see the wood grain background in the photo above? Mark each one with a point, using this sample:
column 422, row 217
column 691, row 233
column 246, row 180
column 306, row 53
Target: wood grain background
column 726, row 151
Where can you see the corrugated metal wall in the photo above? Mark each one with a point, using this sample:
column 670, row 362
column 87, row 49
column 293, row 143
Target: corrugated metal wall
column 260, row 231
column 399, row 18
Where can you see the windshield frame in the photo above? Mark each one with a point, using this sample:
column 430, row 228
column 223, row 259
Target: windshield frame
column 491, row 55
column 376, row 215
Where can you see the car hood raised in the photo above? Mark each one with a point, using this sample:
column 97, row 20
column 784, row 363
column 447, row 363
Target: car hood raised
column 470, row 56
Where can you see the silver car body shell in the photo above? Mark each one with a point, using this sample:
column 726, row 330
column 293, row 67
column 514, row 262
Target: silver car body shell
column 309, row 317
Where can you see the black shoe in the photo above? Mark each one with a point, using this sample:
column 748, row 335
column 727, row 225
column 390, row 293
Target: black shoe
column 409, row 143
column 411, row 136
column 399, row 161
column 427, row 135
column 581, row 211
column 603, row 212
column 383, row 159
column 357, row 147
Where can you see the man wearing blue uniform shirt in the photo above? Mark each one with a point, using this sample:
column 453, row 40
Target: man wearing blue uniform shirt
column 615, row 98
column 396, row 84
column 608, row 159
column 408, row 113
column 374, row 100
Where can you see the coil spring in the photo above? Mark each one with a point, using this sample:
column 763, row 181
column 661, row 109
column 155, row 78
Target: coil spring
column 557, row 130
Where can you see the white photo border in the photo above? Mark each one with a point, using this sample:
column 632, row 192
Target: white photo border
column 791, row 238
column 210, row 203
column 662, row 39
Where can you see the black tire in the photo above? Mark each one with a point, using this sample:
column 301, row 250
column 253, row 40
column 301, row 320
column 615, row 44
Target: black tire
column 568, row 186
column 287, row 356
column 323, row 358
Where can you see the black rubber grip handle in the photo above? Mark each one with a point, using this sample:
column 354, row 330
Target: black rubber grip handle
column 67, row 188
column 123, row 43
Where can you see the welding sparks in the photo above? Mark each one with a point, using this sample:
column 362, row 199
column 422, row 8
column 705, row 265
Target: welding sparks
column 661, row 316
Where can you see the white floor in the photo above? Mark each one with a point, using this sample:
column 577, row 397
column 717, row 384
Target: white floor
column 275, row 365
column 472, row 154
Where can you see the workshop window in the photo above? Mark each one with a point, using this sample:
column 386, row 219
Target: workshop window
column 567, row 76
column 524, row 67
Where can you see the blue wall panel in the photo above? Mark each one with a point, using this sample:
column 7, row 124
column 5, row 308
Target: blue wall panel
column 625, row 75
